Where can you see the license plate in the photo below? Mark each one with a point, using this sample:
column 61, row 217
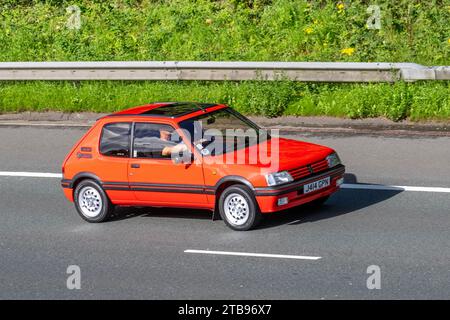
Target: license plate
column 316, row 185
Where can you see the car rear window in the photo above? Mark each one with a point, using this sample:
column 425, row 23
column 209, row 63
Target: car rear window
column 115, row 139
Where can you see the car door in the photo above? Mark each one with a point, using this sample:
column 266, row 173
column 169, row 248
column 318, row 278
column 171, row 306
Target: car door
column 154, row 177
column 111, row 165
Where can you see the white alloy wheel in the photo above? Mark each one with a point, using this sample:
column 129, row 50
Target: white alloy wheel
column 236, row 209
column 90, row 202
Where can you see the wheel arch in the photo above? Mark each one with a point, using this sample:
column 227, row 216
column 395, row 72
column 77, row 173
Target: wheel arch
column 84, row 176
column 224, row 183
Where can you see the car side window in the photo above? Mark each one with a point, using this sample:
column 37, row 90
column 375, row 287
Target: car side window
column 115, row 139
column 154, row 140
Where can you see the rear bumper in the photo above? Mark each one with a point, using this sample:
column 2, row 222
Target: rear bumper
column 66, row 184
column 68, row 193
column 267, row 198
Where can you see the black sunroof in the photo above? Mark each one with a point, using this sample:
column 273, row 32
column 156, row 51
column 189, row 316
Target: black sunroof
column 178, row 109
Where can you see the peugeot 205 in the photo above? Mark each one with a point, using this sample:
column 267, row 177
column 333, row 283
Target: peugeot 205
column 195, row 155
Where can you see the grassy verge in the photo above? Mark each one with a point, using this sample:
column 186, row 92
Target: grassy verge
column 416, row 101
column 259, row 30
column 280, row 30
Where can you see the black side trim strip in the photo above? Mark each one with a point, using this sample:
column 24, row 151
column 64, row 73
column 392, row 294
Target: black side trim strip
column 151, row 187
column 199, row 191
column 167, row 185
column 115, row 183
column 192, row 191
column 117, row 188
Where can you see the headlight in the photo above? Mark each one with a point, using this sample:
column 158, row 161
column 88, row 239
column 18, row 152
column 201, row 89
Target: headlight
column 277, row 178
column 333, row 160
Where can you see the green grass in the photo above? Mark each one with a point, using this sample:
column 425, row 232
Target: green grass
column 261, row 30
column 248, row 30
column 416, row 101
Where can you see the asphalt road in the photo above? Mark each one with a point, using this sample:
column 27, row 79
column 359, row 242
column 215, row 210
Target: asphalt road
column 140, row 254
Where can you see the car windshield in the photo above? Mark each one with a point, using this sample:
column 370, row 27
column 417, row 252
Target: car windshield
column 222, row 131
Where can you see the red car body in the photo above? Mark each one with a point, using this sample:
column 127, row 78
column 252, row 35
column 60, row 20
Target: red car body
column 128, row 180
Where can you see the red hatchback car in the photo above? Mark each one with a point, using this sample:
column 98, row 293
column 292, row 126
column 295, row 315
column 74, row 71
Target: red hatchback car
column 195, row 155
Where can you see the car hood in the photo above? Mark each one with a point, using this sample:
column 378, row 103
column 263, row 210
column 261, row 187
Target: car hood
column 279, row 154
column 294, row 153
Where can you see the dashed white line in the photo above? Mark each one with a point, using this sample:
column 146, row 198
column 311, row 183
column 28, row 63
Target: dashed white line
column 30, row 174
column 362, row 186
column 44, row 124
column 250, row 254
column 394, row 188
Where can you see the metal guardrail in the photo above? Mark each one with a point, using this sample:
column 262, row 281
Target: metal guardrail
column 219, row 71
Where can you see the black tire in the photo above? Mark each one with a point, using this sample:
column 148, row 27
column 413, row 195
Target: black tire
column 250, row 212
column 106, row 208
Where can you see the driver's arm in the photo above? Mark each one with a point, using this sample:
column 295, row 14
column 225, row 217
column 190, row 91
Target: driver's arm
column 181, row 147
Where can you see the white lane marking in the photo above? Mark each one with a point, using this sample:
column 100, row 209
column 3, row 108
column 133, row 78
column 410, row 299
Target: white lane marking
column 344, row 186
column 394, row 188
column 249, row 254
column 30, row 174
column 294, row 222
column 45, row 124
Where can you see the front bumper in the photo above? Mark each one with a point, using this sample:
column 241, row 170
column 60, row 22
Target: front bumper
column 267, row 197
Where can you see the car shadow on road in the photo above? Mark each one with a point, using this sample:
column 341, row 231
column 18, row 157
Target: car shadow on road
column 345, row 201
column 122, row 213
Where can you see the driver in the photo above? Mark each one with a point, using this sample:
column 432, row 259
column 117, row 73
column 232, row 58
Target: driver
column 180, row 147
column 168, row 150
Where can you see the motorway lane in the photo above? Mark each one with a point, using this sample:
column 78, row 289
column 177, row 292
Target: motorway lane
column 140, row 254
column 389, row 160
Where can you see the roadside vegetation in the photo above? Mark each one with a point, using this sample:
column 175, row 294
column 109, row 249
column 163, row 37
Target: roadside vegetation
column 247, row 30
column 416, row 101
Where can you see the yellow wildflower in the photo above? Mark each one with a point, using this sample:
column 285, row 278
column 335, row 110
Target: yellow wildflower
column 448, row 40
column 308, row 30
column 340, row 6
column 348, row 51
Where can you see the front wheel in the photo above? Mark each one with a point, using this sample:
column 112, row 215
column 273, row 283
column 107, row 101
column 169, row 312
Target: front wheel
column 238, row 208
column 91, row 201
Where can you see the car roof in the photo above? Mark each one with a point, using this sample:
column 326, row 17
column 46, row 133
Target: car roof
column 165, row 109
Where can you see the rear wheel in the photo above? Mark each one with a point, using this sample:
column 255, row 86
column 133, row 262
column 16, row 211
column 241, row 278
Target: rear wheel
column 91, row 201
column 238, row 208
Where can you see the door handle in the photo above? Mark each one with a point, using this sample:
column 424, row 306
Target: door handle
column 135, row 165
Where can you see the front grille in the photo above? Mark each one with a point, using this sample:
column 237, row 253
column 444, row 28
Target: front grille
column 320, row 166
column 302, row 172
